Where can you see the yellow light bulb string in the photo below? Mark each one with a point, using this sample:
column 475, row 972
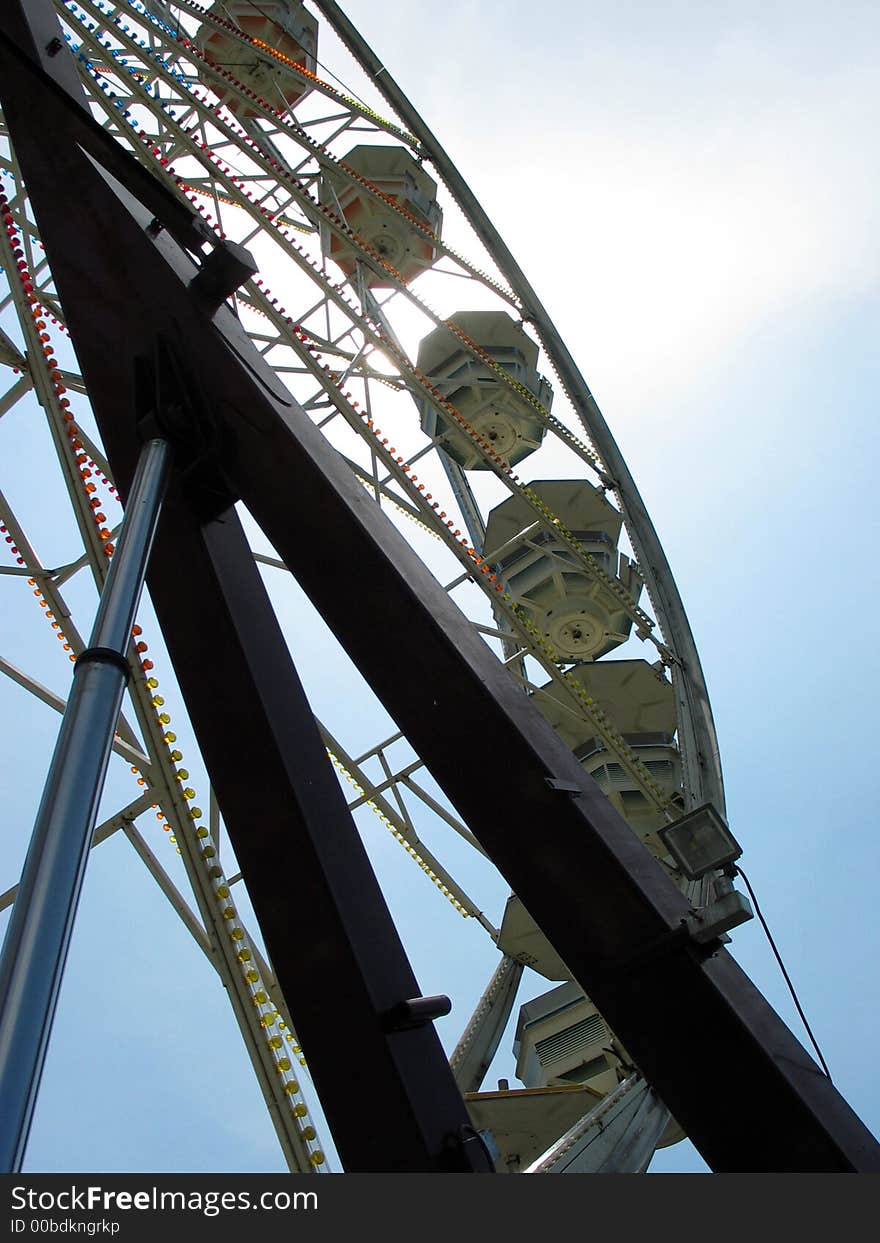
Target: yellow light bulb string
column 492, row 458
column 503, row 597
column 274, row 1029
column 399, row 837
column 499, row 464
column 271, row 1022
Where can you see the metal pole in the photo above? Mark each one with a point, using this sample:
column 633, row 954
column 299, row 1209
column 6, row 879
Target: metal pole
column 37, row 939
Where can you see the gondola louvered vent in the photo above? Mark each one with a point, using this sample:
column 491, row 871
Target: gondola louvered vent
column 569, row 1042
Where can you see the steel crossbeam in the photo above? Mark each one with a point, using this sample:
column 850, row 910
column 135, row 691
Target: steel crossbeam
column 685, row 1011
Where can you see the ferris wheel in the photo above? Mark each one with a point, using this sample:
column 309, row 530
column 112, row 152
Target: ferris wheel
column 387, row 305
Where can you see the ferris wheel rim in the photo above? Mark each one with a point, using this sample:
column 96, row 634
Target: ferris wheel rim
column 328, row 6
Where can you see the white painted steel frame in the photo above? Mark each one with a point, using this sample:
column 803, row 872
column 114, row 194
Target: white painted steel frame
column 354, row 341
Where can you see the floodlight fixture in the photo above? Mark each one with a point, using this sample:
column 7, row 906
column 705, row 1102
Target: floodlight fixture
column 700, row 842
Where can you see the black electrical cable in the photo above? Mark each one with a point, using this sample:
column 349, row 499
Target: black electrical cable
column 748, row 886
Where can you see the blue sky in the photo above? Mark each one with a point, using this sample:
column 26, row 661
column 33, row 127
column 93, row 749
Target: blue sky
column 693, row 192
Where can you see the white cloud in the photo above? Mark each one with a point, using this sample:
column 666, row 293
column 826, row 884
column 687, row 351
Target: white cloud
column 666, row 186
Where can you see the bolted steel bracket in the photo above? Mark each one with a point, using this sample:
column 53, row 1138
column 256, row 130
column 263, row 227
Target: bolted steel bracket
column 223, row 271
column 710, row 923
column 564, row 787
column 169, row 404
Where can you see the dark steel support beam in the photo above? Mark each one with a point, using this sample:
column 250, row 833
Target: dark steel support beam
column 686, row 1013
column 330, row 938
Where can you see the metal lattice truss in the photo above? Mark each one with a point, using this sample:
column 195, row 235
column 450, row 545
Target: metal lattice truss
column 258, row 171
